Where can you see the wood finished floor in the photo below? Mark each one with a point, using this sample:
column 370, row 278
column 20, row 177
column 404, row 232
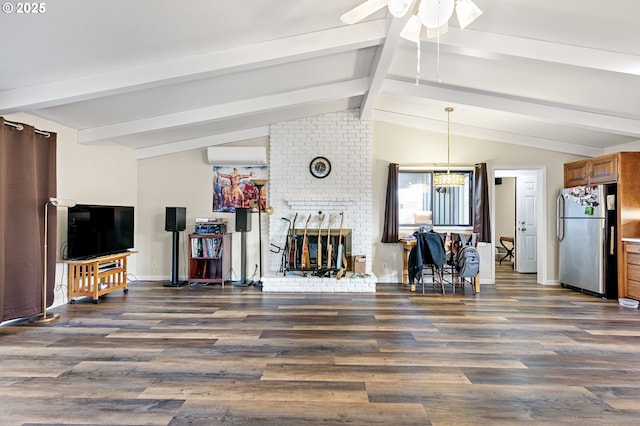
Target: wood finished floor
column 516, row 353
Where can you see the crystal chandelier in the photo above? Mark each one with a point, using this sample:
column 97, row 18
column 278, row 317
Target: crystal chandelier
column 448, row 180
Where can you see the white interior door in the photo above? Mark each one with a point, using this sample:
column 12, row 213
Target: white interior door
column 526, row 240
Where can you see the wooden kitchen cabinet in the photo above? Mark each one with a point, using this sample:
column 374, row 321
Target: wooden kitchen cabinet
column 604, row 169
column 632, row 269
column 593, row 171
column 576, row 173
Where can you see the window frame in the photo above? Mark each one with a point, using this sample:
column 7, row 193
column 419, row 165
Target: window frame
column 432, row 171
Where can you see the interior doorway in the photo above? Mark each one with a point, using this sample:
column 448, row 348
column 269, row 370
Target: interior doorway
column 519, row 204
column 505, row 201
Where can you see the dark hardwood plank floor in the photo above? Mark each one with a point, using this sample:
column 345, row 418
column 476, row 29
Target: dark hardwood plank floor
column 516, row 353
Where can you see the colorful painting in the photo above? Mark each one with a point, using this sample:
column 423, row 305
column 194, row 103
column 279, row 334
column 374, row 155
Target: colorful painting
column 233, row 188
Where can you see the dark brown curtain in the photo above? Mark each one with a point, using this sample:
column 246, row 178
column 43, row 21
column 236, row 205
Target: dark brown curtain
column 27, row 180
column 391, row 207
column 481, row 213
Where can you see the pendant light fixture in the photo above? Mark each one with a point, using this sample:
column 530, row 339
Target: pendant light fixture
column 448, row 180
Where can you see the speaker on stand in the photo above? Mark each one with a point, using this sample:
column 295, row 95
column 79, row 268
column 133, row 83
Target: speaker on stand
column 175, row 221
column 243, row 225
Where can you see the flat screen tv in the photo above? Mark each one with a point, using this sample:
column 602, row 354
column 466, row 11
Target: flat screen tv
column 97, row 230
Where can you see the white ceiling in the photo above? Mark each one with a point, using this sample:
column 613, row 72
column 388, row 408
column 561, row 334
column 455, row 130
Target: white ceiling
column 165, row 76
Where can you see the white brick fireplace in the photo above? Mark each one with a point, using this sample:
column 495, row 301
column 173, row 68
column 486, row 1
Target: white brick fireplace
column 346, row 142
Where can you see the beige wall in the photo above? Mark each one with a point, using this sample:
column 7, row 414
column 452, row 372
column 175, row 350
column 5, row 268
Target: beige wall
column 104, row 173
column 90, row 174
column 404, row 145
column 183, row 180
column 505, row 213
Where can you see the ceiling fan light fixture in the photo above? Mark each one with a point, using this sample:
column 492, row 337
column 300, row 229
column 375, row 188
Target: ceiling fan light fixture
column 435, row 32
column 399, row 8
column 434, row 13
column 412, row 29
column 467, row 12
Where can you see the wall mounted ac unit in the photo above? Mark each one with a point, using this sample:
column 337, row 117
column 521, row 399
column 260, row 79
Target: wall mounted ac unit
column 237, row 155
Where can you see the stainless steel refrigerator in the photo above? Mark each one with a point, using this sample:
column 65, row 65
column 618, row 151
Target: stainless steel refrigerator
column 587, row 233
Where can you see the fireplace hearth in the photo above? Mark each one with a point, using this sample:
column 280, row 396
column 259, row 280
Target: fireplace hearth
column 294, row 282
column 316, row 277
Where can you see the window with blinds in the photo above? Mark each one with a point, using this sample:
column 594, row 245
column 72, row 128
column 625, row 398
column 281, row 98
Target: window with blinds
column 421, row 203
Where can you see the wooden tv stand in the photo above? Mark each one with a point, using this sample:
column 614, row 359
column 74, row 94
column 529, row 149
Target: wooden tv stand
column 97, row 276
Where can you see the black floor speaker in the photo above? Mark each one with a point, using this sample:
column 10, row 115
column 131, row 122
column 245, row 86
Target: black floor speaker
column 243, row 220
column 243, row 225
column 175, row 219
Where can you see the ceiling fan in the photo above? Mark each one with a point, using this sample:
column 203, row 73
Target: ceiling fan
column 432, row 14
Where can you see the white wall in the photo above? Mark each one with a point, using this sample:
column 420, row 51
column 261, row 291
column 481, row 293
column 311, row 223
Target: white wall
column 346, row 142
column 90, row 174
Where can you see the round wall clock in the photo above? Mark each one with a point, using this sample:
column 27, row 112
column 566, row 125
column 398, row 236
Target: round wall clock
column 320, row 167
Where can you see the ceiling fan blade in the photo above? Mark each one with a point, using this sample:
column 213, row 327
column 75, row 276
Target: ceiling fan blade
column 358, row 13
column 399, row 8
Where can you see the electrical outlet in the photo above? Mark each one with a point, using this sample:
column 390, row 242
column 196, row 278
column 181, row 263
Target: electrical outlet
column 154, row 265
column 384, row 266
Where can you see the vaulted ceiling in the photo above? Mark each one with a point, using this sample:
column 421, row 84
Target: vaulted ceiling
column 164, row 76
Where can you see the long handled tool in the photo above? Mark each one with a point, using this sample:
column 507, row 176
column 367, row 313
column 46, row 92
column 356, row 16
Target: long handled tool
column 342, row 258
column 305, row 246
column 319, row 255
column 329, row 245
column 293, row 249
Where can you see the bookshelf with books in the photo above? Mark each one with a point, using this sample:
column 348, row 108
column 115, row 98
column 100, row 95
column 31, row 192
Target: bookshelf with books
column 209, row 258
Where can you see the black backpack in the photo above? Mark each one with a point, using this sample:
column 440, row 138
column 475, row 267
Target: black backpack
column 467, row 262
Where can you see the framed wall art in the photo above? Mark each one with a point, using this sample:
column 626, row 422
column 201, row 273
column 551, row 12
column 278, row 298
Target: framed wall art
column 233, row 188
